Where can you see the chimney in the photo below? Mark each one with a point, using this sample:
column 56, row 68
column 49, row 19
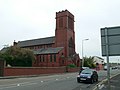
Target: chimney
column 14, row 43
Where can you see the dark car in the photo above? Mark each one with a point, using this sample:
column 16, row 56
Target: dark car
column 114, row 67
column 87, row 75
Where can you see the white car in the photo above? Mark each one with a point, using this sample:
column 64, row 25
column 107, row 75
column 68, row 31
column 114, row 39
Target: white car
column 105, row 67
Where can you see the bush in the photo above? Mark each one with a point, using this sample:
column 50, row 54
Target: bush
column 71, row 66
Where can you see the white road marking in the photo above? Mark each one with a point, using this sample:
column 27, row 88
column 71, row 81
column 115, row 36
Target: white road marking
column 88, row 85
column 56, row 79
column 16, row 85
column 8, row 87
column 101, row 86
column 41, row 81
column 29, row 84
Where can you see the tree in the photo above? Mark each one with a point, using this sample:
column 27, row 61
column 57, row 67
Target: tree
column 89, row 62
column 16, row 56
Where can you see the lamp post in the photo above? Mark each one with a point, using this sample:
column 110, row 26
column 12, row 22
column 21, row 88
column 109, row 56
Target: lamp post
column 82, row 51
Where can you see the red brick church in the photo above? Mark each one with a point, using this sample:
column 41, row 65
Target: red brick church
column 58, row 50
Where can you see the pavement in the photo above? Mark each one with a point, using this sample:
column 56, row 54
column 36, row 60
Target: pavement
column 12, row 77
column 26, row 76
column 114, row 84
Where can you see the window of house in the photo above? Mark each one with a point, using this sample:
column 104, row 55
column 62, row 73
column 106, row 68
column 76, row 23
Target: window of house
column 71, row 46
column 62, row 61
column 43, row 58
column 49, row 45
column 54, row 57
column 40, row 46
column 40, row 58
column 51, row 58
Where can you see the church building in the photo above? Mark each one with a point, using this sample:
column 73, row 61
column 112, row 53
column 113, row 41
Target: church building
column 58, row 50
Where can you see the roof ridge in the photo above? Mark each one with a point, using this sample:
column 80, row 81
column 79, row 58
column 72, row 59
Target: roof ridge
column 37, row 39
column 34, row 42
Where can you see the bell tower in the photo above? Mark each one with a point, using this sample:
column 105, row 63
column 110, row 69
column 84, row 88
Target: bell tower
column 64, row 33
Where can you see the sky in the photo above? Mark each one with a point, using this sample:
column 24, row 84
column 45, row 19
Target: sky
column 31, row 19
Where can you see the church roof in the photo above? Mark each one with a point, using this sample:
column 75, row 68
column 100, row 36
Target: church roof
column 48, row 50
column 34, row 42
column 3, row 50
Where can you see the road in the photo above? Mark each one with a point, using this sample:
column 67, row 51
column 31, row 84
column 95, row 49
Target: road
column 53, row 82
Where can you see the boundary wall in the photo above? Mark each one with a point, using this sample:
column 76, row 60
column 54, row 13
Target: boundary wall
column 20, row 71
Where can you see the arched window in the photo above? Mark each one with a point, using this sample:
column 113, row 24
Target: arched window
column 70, row 23
column 71, row 43
column 71, row 47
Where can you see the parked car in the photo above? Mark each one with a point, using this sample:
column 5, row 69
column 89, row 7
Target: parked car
column 87, row 75
column 105, row 67
column 115, row 67
column 83, row 68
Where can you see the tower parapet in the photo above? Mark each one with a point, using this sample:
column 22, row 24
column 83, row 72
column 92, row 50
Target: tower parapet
column 64, row 13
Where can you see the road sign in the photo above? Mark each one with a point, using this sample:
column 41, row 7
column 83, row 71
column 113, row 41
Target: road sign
column 113, row 36
column 110, row 40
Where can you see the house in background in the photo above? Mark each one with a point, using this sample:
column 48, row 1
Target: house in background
column 99, row 62
column 58, row 50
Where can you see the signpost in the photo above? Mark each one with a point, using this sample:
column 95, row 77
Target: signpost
column 110, row 40
column 113, row 38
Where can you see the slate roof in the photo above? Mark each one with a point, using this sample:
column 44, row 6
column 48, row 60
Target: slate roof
column 3, row 50
column 48, row 50
column 34, row 42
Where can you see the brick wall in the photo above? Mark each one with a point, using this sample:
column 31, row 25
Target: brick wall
column 99, row 67
column 73, row 69
column 18, row 71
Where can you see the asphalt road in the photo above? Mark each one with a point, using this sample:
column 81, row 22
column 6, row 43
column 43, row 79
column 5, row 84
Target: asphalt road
column 54, row 82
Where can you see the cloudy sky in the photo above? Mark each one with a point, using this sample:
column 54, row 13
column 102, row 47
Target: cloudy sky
column 31, row 19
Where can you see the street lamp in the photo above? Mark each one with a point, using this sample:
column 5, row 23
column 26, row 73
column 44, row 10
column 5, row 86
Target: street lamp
column 82, row 51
